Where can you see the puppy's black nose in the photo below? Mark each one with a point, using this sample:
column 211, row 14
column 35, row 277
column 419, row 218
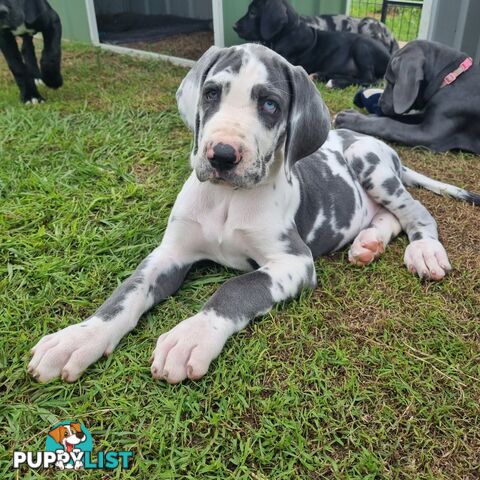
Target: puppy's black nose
column 224, row 157
column 3, row 12
column 79, row 435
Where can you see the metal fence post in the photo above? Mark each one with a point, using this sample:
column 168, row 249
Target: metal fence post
column 384, row 11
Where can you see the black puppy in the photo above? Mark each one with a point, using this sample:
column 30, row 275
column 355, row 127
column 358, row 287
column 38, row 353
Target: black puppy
column 25, row 18
column 439, row 81
column 345, row 58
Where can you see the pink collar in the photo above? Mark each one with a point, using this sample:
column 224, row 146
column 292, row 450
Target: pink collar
column 452, row 76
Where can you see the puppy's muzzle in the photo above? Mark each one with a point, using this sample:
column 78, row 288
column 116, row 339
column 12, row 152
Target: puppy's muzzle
column 223, row 156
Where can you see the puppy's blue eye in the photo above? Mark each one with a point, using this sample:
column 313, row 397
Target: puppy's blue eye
column 269, row 106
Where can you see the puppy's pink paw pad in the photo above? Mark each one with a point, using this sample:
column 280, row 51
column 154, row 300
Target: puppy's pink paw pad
column 366, row 247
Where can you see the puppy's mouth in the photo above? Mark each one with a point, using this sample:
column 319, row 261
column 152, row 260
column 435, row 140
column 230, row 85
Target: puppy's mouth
column 69, row 446
column 216, row 176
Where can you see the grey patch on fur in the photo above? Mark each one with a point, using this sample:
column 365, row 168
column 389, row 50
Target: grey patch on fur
column 231, row 61
column 167, row 283
column 357, row 165
column 328, row 192
column 311, row 277
column 391, row 185
column 396, row 162
column 372, row 158
column 348, row 137
column 294, row 244
column 243, row 297
column 416, row 236
column 113, row 306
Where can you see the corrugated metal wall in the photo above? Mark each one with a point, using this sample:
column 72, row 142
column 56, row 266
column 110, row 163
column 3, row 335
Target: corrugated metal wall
column 75, row 22
column 456, row 24
column 73, row 14
column 201, row 9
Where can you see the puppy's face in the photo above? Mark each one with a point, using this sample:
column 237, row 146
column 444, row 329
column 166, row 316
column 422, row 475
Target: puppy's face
column 264, row 20
column 243, row 115
column 248, row 27
column 12, row 14
column 404, row 82
column 249, row 109
column 68, row 435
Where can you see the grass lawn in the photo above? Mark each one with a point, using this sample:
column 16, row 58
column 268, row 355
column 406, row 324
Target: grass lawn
column 373, row 375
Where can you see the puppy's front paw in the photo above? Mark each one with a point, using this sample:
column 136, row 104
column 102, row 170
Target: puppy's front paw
column 68, row 352
column 346, row 119
column 187, row 350
column 427, row 258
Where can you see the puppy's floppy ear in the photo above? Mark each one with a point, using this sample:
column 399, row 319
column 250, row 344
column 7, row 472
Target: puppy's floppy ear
column 189, row 91
column 57, row 433
column 408, row 69
column 33, row 9
column 76, row 427
column 308, row 119
column 274, row 18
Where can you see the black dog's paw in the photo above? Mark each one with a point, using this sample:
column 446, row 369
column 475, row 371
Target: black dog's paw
column 32, row 99
column 52, row 79
column 346, row 119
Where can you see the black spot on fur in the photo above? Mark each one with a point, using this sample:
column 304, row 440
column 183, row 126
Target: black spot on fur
column 253, row 263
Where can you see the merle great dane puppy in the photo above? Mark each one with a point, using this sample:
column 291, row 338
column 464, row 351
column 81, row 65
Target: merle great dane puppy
column 25, row 18
column 272, row 188
column 440, row 82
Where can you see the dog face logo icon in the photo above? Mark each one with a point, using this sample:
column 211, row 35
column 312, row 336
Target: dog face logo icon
column 69, row 436
column 70, row 440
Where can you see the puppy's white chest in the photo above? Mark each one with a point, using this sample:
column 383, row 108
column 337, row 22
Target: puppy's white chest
column 22, row 30
column 225, row 239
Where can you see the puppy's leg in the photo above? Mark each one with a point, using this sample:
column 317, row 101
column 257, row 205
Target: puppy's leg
column 379, row 170
column 68, row 352
column 29, row 57
column 187, row 350
column 419, row 134
column 370, row 243
column 51, row 60
column 24, row 79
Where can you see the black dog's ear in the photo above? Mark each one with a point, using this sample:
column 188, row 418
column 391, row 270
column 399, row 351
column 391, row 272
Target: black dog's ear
column 408, row 69
column 33, row 9
column 188, row 93
column 274, row 18
column 308, row 120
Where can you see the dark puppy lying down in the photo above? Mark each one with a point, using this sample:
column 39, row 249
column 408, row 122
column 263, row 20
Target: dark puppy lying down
column 345, row 58
column 440, row 82
column 25, row 18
